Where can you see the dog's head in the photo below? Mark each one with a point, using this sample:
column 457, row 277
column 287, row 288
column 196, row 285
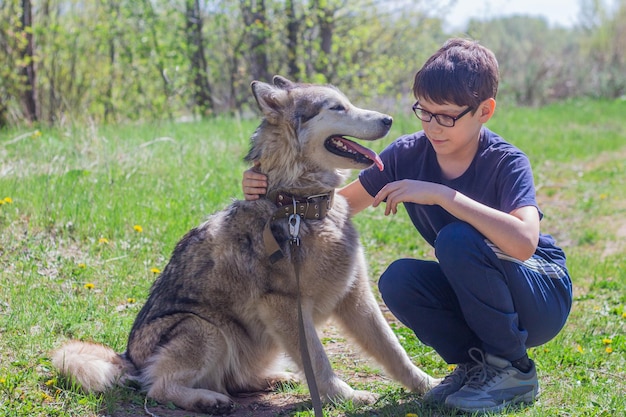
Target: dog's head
column 309, row 125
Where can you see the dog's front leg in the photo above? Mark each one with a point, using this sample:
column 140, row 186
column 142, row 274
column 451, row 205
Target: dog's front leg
column 360, row 316
column 280, row 314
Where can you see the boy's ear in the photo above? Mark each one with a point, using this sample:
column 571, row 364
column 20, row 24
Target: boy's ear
column 486, row 109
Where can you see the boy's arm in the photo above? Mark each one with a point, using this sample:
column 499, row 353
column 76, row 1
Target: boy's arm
column 515, row 233
column 358, row 198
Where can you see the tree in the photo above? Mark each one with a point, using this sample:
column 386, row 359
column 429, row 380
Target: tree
column 202, row 95
column 527, row 49
column 11, row 40
column 604, row 47
column 119, row 60
column 325, row 11
column 257, row 35
column 293, row 29
column 29, row 95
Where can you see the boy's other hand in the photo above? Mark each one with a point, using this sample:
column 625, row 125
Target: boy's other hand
column 253, row 184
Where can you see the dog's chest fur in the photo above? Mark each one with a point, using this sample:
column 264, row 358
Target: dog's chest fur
column 220, row 270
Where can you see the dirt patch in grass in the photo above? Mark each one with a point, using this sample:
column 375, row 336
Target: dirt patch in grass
column 617, row 245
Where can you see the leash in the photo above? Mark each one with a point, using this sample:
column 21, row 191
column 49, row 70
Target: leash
column 313, row 208
column 294, row 241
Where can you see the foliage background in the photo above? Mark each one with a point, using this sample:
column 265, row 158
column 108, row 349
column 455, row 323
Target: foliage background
column 64, row 61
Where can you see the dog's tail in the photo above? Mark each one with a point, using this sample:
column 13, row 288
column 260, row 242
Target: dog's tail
column 94, row 367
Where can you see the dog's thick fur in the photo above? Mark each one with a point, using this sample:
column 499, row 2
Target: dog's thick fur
column 221, row 313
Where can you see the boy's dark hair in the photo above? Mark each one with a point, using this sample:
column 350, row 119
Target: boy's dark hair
column 462, row 72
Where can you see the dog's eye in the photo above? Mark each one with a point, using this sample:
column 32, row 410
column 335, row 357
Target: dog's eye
column 338, row 107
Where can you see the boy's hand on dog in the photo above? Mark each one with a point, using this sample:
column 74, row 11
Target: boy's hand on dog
column 254, row 183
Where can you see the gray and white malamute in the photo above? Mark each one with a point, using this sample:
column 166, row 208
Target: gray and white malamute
column 225, row 306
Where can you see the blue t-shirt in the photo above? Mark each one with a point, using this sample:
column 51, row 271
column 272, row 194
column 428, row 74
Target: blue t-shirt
column 500, row 176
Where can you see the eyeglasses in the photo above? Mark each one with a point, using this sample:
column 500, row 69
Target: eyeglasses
column 442, row 119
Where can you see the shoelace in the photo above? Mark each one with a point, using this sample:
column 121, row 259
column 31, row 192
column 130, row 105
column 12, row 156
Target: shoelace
column 482, row 372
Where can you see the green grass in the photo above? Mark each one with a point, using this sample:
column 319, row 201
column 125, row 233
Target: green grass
column 73, row 265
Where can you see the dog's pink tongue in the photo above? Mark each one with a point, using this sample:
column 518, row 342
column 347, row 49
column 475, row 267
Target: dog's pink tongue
column 379, row 162
column 370, row 154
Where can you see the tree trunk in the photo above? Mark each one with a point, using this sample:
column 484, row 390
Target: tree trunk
column 151, row 18
column 293, row 26
column 3, row 114
column 29, row 95
column 326, row 24
column 202, row 95
column 255, row 20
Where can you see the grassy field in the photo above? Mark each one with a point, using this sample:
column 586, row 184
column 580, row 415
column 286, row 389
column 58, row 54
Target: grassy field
column 89, row 215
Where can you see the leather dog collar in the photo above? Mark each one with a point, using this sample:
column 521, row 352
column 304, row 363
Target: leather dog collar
column 313, row 207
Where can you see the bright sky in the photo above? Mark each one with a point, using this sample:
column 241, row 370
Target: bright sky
column 557, row 12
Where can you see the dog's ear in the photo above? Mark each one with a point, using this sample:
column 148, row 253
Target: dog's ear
column 282, row 82
column 271, row 100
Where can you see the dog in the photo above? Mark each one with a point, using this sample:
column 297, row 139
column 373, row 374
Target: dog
column 226, row 305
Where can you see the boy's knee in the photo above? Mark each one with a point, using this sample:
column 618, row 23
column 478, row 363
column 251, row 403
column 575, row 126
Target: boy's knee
column 455, row 240
column 391, row 281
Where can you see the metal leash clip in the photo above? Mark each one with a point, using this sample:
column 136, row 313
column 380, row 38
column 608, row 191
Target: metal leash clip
column 294, row 226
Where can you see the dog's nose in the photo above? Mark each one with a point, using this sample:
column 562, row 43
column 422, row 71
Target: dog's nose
column 387, row 120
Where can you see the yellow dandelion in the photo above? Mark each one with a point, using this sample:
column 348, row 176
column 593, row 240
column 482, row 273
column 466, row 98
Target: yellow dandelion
column 51, row 382
column 45, row 397
column 82, row 265
column 7, row 200
column 138, row 228
column 608, row 349
column 131, row 300
column 89, row 286
column 603, row 196
column 607, row 341
column 579, row 348
column 155, row 270
column 624, row 315
column 103, row 241
column 451, row 367
column 3, row 381
column 36, row 134
column 411, row 415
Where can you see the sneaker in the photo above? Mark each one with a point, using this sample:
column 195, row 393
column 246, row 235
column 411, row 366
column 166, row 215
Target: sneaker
column 450, row 384
column 494, row 385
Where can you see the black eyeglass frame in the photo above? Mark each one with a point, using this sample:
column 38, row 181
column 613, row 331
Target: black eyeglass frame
column 437, row 115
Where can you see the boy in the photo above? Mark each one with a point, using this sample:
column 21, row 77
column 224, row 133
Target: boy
column 498, row 285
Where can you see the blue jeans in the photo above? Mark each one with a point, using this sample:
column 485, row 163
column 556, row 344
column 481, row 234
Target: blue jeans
column 473, row 298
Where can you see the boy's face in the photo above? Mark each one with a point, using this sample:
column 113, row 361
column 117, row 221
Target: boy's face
column 460, row 139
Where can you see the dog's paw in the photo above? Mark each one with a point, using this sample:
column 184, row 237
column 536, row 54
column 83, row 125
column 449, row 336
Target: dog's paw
column 281, row 378
column 340, row 391
column 216, row 406
column 422, row 385
column 363, row 398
